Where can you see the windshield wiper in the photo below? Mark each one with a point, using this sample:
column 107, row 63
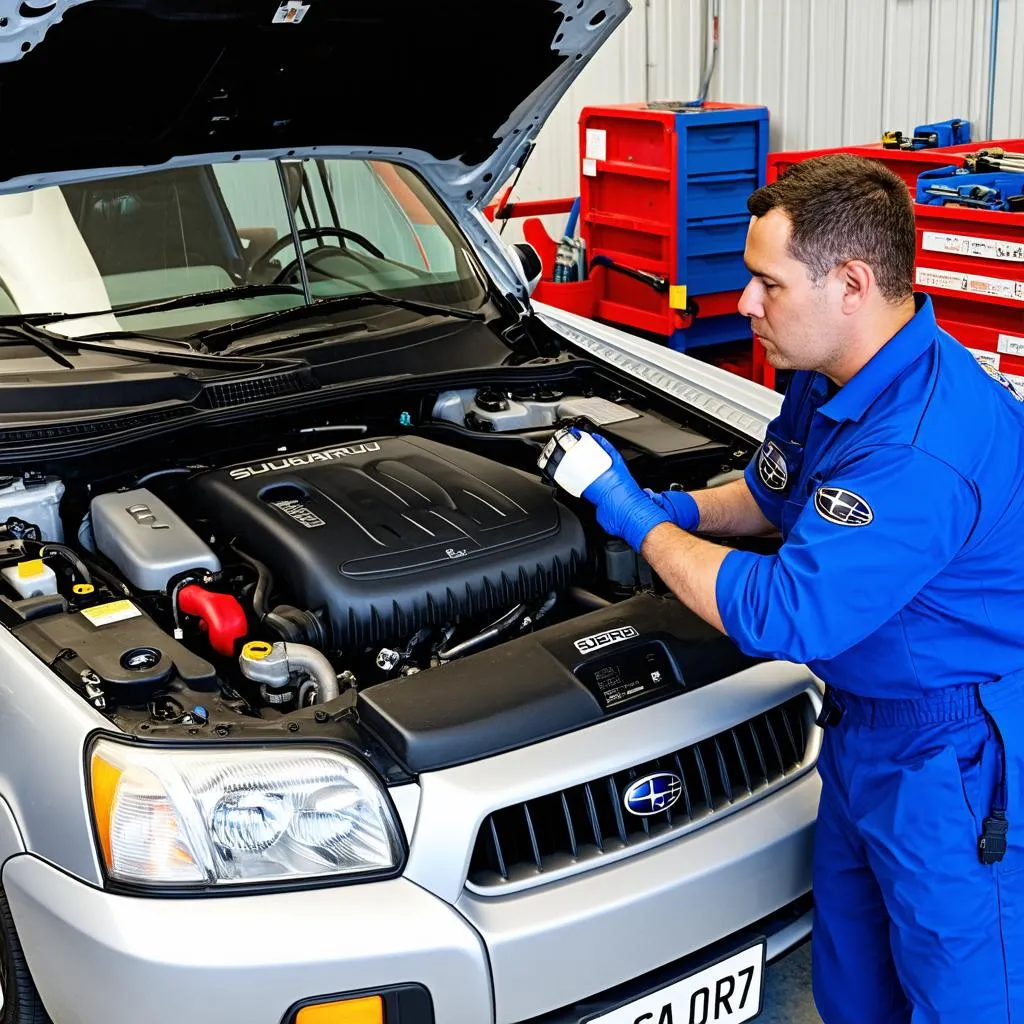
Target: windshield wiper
column 46, row 343
column 55, row 346
column 245, row 291
column 276, row 317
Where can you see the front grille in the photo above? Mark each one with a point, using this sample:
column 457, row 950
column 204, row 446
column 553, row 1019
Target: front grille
column 588, row 822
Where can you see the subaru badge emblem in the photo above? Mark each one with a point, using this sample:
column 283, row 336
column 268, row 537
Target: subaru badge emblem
column 844, row 508
column 772, row 468
column 653, row 794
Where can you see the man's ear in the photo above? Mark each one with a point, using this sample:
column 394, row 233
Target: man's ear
column 858, row 282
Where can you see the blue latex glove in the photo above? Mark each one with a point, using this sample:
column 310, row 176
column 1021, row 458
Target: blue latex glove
column 680, row 506
column 624, row 508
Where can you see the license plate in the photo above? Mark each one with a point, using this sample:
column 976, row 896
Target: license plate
column 728, row 992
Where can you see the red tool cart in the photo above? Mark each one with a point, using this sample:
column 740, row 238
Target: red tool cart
column 663, row 191
column 907, row 163
column 971, row 261
column 972, row 264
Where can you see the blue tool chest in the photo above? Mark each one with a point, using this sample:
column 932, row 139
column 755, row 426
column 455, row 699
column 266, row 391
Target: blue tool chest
column 664, row 190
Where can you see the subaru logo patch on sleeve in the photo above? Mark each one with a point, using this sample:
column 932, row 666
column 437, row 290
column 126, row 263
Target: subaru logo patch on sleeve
column 771, row 467
column 844, row 508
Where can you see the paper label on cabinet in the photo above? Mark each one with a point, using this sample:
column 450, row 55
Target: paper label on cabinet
column 597, row 144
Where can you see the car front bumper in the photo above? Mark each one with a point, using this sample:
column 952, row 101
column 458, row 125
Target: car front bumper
column 102, row 958
column 559, row 944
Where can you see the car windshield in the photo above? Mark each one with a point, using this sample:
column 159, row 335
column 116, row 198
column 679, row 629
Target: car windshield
column 217, row 240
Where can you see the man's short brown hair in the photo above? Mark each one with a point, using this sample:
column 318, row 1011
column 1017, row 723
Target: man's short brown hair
column 844, row 207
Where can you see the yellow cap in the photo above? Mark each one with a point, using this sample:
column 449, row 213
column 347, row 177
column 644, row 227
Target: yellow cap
column 83, row 588
column 368, row 1010
column 256, row 650
column 34, row 567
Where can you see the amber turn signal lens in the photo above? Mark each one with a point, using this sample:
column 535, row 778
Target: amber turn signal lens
column 368, row 1010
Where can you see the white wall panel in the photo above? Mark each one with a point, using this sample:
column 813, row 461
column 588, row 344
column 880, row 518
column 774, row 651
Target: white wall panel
column 1009, row 105
column 831, row 72
column 864, row 59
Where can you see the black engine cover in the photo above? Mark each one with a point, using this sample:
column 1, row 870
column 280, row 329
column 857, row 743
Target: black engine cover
column 396, row 533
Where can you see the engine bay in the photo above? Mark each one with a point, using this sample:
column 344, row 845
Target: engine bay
column 413, row 570
column 395, row 536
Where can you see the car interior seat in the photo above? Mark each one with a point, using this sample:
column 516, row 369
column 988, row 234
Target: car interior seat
column 152, row 235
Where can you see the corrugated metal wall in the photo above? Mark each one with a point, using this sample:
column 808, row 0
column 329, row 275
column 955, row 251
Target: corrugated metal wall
column 831, row 72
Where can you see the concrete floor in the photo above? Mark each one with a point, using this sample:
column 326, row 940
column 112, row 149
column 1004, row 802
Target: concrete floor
column 787, row 994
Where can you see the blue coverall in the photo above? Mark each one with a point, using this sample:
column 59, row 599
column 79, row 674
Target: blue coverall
column 900, row 582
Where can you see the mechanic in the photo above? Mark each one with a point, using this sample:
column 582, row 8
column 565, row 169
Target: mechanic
column 895, row 476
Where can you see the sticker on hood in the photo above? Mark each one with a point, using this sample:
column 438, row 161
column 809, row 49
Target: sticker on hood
column 589, row 644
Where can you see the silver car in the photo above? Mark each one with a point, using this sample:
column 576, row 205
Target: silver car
column 318, row 703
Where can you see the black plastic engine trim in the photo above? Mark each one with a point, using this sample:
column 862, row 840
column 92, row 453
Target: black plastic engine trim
column 527, row 690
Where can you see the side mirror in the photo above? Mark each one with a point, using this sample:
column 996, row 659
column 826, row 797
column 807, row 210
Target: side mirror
column 528, row 262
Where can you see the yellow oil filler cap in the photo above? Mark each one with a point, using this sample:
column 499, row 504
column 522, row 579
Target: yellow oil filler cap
column 256, row 650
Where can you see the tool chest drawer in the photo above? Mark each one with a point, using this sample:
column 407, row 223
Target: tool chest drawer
column 717, row 195
column 716, row 144
column 972, row 264
column 710, row 255
column 985, row 326
column 971, row 241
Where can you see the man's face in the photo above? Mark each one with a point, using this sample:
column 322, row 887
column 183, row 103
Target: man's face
column 800, row 323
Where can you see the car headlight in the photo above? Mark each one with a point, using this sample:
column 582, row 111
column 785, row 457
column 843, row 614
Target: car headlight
column 206, row 817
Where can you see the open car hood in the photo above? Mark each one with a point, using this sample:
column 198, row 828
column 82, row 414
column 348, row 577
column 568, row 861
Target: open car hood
column 457, row 89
